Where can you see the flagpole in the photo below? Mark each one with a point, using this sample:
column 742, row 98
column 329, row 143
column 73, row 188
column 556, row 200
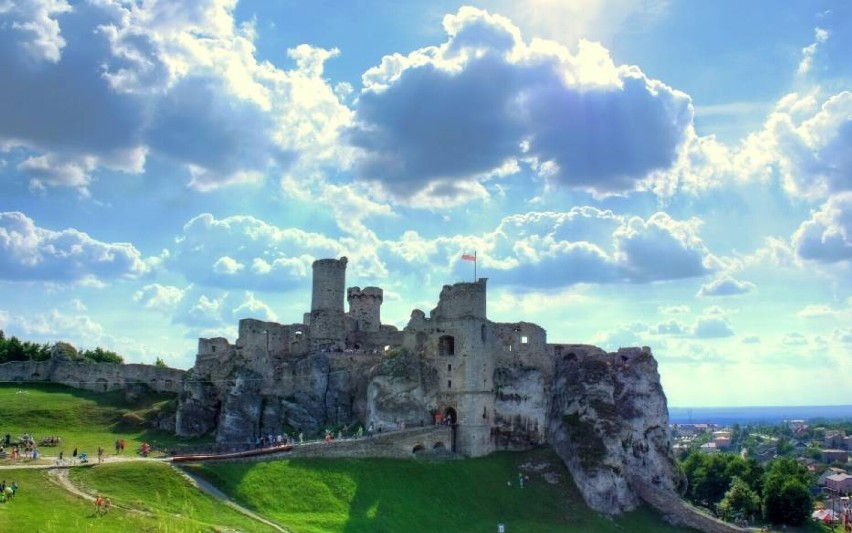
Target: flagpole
column 474, row 266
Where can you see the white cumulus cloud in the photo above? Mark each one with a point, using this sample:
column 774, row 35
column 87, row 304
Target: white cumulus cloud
column 726, row 286
column 31, row 253
column 827, row 235
column 485, row 98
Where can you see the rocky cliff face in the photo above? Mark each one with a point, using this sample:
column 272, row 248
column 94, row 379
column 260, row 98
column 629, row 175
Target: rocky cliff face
column 609, row 422
column 242, row 400
column 521, row 395
column 402, row 389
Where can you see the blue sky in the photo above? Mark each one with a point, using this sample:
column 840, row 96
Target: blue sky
column 670, row 174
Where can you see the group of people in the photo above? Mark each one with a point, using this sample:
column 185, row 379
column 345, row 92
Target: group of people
column 337, row 349
column 14, row 452
column 269, row 440
column 7, row 492
column 26, row 445
column 52, row 440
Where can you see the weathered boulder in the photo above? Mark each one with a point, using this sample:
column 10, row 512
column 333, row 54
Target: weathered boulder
column 609, row 423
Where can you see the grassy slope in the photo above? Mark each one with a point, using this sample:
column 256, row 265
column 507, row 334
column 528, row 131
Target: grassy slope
column 372, row 495
column 82, row 419
column 148, row 497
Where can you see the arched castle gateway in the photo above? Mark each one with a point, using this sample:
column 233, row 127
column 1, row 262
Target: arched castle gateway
column 492, row 380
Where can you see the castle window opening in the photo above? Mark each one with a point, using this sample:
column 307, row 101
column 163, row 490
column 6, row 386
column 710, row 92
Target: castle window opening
column 449, row 383
column 450, row 368
column 482, row 332
column 524, row 339
column 212, row 348
column 447, row 345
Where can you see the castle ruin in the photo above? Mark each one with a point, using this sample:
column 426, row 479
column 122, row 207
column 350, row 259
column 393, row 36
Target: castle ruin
column 491, row 380
column 501, row 386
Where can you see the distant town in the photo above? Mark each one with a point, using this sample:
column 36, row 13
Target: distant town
column 820, row 447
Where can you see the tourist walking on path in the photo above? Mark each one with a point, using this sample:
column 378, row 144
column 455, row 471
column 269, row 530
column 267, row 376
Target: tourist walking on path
column 102, row 505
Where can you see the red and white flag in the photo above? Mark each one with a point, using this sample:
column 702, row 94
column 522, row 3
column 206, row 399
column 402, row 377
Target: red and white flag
column 468, row 257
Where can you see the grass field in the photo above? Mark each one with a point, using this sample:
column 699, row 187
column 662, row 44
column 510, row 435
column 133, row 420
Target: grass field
column 82, row 419
column 385, row 495
column 146, row 497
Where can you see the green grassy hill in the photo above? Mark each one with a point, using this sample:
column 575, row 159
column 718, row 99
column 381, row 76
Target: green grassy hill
column 83, row 419
column 386, row 495
column 146, row 497
column 305, row 495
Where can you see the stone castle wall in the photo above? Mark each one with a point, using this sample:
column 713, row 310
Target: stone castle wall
column 97, row 377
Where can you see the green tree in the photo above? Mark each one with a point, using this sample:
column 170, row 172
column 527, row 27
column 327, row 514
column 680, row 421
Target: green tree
column 99, row 355
column 14, row 350
column 159, row 363
column 739, row 502
column 710, row 476
column 791, row 504
column 36, row 352
column 783, row 446
column 786, row 498
column 813, row 452
column 65, row 350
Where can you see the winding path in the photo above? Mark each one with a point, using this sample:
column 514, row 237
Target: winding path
column 59, row 475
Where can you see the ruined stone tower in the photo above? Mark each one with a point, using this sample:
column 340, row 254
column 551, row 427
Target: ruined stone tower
column 465, row 352
column 327, row 314
column 365, row 307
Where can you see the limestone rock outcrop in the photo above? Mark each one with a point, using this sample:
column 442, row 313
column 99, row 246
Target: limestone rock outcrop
column 403, row 388
column 609, row 423
column 522, row 394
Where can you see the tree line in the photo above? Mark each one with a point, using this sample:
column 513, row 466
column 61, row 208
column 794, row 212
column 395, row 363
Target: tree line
column 738, row 489
column 14, row 349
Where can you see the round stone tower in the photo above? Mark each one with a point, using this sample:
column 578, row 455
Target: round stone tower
column 365, row 307
column 327, row 316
